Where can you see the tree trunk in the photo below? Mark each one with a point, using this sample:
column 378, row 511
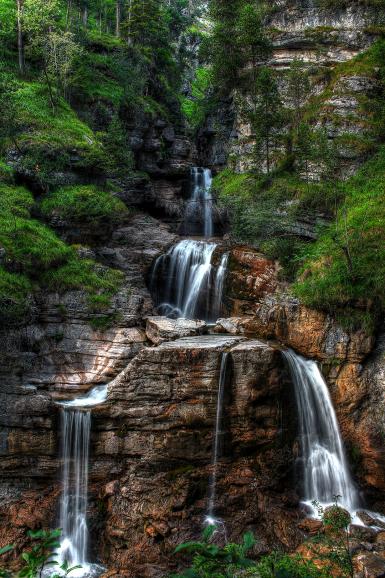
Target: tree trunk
column 49, row 89
column 129, row 39
column 20, row 41
column 117, row 26
column 68, row 14
column 85, row 16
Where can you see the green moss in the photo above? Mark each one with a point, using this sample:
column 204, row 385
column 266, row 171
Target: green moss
column 53, row 142
column 14, row 293
column 84, row 204
column 103, row 322
column 84, row 274
column 6, row 173
column 29, row 245
column 328, row 279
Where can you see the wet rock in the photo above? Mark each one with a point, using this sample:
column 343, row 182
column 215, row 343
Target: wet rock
column 160, row 329
column 313, row 333
column 370, row 520
column 371, row 565
column 250, row 276
column 157, row 428
column 362, row 533
column 311, row 526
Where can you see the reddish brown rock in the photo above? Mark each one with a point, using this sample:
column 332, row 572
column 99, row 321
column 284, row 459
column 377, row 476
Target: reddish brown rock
column 250, row 277
column 311, row 526
column 157, row 430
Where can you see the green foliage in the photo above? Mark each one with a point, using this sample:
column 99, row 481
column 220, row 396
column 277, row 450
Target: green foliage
column 196, row 107
column 83, row 274
column 209, row 560
column 84, row 204
column 346, row 264
column 29, row 246
column 14, row 297
column 333, row 548
column 41, row 554
column 278, row 565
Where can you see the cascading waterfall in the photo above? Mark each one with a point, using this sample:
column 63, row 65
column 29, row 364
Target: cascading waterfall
column 76, row 429
column 199, row 210
column 324, row 464
column 185, row 282
column 193, row 287
column 219, row 433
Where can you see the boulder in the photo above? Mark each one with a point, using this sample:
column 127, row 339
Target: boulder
column 370, row 564
column 160, row 329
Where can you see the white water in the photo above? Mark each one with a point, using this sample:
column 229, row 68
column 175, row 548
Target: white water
column 76, row 428
column 200, row 206
column 218, row 440
column 193, row 287
column 324, row 464
column 96, row 396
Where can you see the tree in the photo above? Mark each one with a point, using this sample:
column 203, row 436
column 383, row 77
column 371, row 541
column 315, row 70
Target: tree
column 298, row 89
column 20, row 39
column 55, row 50
column 222, row 46
column 266, row 116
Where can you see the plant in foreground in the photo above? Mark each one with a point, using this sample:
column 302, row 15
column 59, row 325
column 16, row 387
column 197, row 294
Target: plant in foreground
column 41, row 555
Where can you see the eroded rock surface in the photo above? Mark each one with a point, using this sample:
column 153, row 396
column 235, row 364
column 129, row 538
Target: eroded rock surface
column 157, row 429
column 160, row 329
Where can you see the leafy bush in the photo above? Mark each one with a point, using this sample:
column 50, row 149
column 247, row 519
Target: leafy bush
column 41, row 554
column 196, row 106
column 84, row 204
column 212, row 560
column 278, row 565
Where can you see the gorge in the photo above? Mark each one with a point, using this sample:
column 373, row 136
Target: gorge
column 191, row 284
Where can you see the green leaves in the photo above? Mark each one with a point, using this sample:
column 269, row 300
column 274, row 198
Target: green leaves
column 41, row 554
column 214, row 561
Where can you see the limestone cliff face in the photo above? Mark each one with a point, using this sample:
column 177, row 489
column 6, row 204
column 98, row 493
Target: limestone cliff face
column 157, row 430
column 322, row 39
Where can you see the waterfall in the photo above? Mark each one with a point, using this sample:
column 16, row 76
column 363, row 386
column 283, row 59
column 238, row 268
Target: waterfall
column 75, row 430
column 324, row 464
column 199, row 210
column 219, row 433
column 76, row 427
column 219, row 285
column 185, row 283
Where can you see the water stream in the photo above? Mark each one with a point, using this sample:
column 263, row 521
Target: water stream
column 186, row 283
column 323, row 459
column 219, row 433
column 199, row 210
column 75, row 430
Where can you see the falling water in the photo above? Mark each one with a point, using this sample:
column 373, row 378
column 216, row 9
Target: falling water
column 325, row 469
column 185, row 283
column 199, row 210
column 76, row 428
column 219, row 433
